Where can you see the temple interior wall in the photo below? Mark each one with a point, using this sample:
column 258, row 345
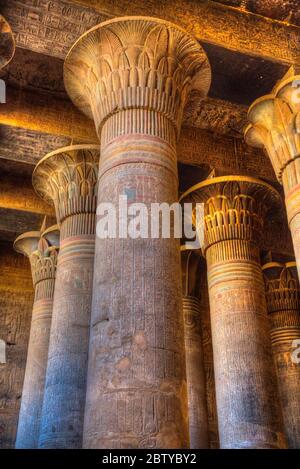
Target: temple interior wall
column 16, row 297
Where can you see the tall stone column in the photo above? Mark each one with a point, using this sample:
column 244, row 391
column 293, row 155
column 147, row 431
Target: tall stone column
column 195, row 376
column 283, row 301
column 68, row 178
column 133, row 76
column 41, row 247
column 246, row 388
column 275, row 126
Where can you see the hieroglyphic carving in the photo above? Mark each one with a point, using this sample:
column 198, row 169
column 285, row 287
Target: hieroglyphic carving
column 208, row 361
column 51, row 27
column 16, row 297
column 283, row 301
column 220, row 116
column 46, row 113
column 196, row 383
column 28, row 146
column 247, row 399
column 36, row 72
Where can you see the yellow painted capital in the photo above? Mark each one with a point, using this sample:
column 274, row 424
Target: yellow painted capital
column 234, row 207
column 68, row 178
column 136, row 63
column 282, row 286
column 274, row 123
column 41, row 247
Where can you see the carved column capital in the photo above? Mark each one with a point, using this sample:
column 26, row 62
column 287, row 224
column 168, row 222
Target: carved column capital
column 275, row 124
column 7, row 43
column 136, row 63
column 68, row 178
column 234, row 210
column 41, row 247
column 282, row 286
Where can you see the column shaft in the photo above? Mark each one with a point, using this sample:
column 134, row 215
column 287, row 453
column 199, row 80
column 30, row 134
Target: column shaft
column 43, row 266
column 136, row 384
column 196, row 384
column 63, row 408
column 246, row 388
column 283, row 300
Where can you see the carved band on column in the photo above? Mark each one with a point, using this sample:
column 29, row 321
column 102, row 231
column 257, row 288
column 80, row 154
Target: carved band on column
column 283, row 301
column 275, row 126
column 68, row 178
column 41, row 247
column 196, row 385
column 135, row 76
column 246, row 388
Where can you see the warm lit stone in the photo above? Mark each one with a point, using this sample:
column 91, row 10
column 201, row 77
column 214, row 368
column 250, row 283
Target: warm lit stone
column 246, row 388
column 7, row 43
column 283, row 301
column 275, row 126
column 195, row 376
column 135, row 77
column 41, row 247
column 68, row 178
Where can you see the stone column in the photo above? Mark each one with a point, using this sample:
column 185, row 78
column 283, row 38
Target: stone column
column 283, row 301
column 41, row 247
column 208, row 359
column 246, row 387
column 68, row 178
column 275, row 126
column 133, row 76
column 195, row 376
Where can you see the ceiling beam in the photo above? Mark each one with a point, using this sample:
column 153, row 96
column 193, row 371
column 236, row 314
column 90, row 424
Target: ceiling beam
column 52, row 27
column 46, row 113
column 217, row 24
